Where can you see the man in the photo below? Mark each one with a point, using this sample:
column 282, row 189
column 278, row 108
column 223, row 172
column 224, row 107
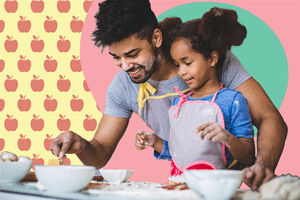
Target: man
column 145, row 86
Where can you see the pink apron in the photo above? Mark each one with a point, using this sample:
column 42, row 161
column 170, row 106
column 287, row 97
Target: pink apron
column 187, row 149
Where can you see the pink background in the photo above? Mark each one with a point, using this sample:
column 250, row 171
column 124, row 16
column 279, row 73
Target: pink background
column 280, row 16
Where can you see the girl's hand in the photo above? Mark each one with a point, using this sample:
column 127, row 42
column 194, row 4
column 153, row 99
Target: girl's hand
column 214, row 132
column 143, row 139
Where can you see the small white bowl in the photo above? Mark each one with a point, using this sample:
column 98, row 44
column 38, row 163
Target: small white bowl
column 214, row 184
column 64, row 178
column 116, row 175
column 14, row 171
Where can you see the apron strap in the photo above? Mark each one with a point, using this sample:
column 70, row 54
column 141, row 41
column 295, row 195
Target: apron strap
column 143, row 91
column 182, row 100
column 214, row 97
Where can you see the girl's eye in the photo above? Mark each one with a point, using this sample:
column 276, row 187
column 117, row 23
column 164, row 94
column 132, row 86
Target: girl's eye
column 188, row 63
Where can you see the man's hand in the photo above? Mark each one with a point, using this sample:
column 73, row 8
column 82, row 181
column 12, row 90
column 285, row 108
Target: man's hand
column 67, row 142
column 256, row 175
column 143, row 139
column 214, row 132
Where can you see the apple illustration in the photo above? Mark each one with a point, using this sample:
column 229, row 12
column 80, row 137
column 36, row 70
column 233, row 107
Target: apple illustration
column 24, row 104
column 2, row 65
column 37, row 45
column 50, row 25
column 37, row 85
column 36, row 123
column 11, row 6
column 24, row 25
column 87, row 4
column 89, row 124
column 63, row 45
column 10, row 123
column 50, row 104
column 2, row 104
column 37, row 6
column 63, row 6
column 10, row 84
column 2, row 25
column 63, row 85
column 23, row 143
column 76, row 25
column 63, row 124
column 2, row 144
column 11, row 45
column 67, row 161
column 75, row 64
column 85, row 86
column 47, row 142
column 37, row 161
column 23, row 64
column 49, row 64
column 76, row 104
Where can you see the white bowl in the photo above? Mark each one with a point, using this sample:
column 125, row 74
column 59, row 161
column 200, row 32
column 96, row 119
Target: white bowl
column 64, row 178
column 214, row 184
column 14, row 171
column 116, row 175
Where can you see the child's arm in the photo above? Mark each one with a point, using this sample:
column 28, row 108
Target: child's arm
column 143, row 139
column 241, row 149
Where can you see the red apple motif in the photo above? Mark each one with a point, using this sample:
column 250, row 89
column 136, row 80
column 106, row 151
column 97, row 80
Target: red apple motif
column 24, row 104
column 24, row 143
column 63, row 45
column 37, row 45
column 37, row 85
column 50, row 104
column 47, row 142
column 37, row 161
column 24, row 25
column 85, row 86
column 50, row 25
column 89, row 124
column 63, row 85
column 63, row 124
column 76, row 25
column 67, row 161
column 50, row 65
column 2, row 25
column 11, row 6
column 10, row 45
column 86, row 5
column 23, row 64
column 63, row 6
column 75, row 64
column 2, row 65
column 2, row 144
column 10, row 123
column 76, row 104
column 37, row 6
column 2, row 104
column 36, row 123
column 10, row 84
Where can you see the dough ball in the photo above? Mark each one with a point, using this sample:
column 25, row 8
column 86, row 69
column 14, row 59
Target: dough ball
column 7, row 156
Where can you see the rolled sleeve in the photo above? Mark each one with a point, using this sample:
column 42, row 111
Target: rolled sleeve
column 165, row 153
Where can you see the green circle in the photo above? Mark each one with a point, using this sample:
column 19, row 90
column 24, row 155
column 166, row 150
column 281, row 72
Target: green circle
column 261, row 53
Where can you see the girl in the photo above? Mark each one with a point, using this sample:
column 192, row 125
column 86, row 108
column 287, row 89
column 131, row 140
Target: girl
column 198, row 48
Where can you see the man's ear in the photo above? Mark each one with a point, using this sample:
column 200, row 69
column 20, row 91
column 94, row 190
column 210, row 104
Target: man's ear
column 157, row 38
column 214, row 57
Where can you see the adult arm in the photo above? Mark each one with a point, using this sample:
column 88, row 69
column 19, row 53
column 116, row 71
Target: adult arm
column 271, row 135
column 99, row 150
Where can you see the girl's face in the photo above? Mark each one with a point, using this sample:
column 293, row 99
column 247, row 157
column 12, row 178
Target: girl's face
column 194, row 68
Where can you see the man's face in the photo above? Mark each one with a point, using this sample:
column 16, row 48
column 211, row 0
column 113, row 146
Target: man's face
column 135, row 56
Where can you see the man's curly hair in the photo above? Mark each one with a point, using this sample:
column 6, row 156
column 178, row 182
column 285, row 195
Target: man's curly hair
column 119, row 19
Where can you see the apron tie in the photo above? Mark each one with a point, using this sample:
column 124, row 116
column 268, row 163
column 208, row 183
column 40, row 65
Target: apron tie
column 144, row 88
column 182, row 100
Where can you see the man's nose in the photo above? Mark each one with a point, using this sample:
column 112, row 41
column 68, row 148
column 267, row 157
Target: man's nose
column 126, row 65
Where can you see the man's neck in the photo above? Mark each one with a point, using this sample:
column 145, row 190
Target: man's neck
column 166, row 69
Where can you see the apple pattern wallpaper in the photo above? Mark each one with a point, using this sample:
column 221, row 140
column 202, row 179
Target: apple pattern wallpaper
column 43, row 91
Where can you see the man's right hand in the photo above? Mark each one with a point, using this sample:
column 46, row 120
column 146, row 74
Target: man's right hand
column 67, row 142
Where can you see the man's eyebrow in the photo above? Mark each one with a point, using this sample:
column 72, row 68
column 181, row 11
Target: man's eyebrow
column 112, row 54
column 131, row 51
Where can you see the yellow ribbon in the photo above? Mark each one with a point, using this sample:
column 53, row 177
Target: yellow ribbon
column 144, row 88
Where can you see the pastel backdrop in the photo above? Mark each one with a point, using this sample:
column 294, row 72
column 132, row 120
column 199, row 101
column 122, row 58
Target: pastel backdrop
column 125, row 156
